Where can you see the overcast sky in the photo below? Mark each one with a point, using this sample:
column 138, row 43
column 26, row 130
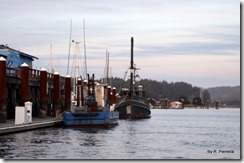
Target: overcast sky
column 193, row 41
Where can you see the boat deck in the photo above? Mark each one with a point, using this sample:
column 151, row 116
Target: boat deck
column 10, row 127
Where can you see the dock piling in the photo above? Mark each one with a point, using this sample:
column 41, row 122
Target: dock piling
column 68, row 93
column 56, row 95
column 3, row 93
column 79, row 92
column 43, row 94
column 24, row 75
column 217, row 104
column 109, row 97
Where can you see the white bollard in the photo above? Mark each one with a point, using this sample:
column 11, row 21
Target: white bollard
column 28, row 106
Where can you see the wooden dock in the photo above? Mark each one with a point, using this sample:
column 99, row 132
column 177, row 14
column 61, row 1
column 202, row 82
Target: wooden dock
column 37, row 123
column 49, row 93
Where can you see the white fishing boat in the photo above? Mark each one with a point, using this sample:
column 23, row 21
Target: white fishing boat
column 176, row 105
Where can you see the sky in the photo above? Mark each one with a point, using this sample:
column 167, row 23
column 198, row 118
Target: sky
column 192, row 41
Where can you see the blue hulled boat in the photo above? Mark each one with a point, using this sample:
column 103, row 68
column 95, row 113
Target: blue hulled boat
column 93, row 119
column 90, row 108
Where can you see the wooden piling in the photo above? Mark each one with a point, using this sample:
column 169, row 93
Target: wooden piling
column 207, row 104
column 43, row 93
column 24, row 75
column 109, row 97
column 3, row 93
column 113, row 96
column 183, row 102
column 67, row 93
column 217, row 104
column 78, row 92
column 166, row 103
column 93, row 85
column 56, row 95
column 82, row 94
column 85, row 88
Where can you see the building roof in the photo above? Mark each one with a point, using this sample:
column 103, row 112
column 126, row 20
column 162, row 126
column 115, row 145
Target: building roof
column 21, row 53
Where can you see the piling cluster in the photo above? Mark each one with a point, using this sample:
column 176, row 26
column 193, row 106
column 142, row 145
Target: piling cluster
column 48, row 90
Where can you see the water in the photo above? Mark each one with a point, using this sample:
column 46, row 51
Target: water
column 168, row 134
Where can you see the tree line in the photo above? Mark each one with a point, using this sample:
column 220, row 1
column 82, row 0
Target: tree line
column 173, row 91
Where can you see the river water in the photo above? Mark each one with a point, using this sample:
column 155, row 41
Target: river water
column 168, row 134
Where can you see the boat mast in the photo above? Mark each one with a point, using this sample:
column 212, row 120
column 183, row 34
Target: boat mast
column 84, row 48
column 51, row 60
column 131, row 66
column 111, row 76
column 107, row 68
column 69, row 46
column 76, row 73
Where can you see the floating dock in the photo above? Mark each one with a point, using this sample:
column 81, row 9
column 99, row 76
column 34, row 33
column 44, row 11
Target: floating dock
column 37, row 123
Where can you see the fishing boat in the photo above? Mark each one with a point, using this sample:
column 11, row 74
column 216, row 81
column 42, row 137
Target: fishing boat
column 89, row 105
column 131, row 102
column 90, row 109
column 176, row 105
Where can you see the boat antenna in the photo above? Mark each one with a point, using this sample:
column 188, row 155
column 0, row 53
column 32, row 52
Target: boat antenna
column 84, row 47
column 69, row 45
column 131, row 61
column 131, row 65
column 58, row 65
column 111, row 76
column 107, row 67
column 51, row 60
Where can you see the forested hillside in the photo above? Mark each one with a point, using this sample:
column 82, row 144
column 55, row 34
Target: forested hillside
column 172, row 91
column 229, row 95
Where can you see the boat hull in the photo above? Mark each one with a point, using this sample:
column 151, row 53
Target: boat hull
column 94, row 119
column 134, row 109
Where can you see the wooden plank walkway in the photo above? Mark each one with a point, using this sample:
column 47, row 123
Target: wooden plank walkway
column 10, row 127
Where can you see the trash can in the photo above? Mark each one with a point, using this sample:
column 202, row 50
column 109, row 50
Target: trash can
column 28, row 106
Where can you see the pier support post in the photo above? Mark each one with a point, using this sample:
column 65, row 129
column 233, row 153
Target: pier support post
column 78, row 92
column 43, row 93
column 113, row 96
column 216, row 104
column 161, row 103
column 109, row 95
column 24, row 83
column 166, row 103
column 85, row 89
column 207, row 104
column 67, row 93
column 183, row 102
column 82, row 94
column 3, row 93
column 56, row 95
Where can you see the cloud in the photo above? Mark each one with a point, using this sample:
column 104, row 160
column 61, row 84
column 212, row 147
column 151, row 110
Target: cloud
column 162, row 30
